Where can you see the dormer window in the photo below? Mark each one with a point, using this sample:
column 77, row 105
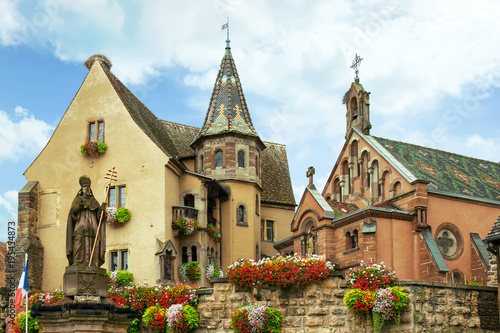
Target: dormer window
column 218, row 159
column 96, row 131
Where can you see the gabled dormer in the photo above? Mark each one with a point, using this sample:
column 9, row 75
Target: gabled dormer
column 357, row 102
column 228, row 146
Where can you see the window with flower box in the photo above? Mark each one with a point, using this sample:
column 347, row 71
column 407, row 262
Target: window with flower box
column 119, row 260
column 95, row 131
column 117, row 196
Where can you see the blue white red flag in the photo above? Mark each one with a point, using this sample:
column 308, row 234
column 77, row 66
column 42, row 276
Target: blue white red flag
column 23, row 287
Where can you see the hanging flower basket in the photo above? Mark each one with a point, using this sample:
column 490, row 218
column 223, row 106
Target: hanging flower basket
column 189, row 271
column 187, row 225
column 93, row 148
column 117, row 216
column 214, row 233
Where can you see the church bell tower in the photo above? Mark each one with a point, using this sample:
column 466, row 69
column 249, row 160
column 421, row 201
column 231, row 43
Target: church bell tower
column 357, row 102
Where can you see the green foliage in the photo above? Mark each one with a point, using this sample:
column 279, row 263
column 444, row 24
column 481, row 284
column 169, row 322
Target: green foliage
column 191, row 317
column 473, row 282
column 135, row 327
column 192, row 271
column 20, row 323
column 93, row 148
column 120, row 278
column 155, row 318
column 359, row 301
column 123, row 215
column 251, row 318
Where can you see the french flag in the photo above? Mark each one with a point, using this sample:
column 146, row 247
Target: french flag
column 23, row 287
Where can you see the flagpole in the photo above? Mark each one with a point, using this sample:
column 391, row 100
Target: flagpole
column 26, row 327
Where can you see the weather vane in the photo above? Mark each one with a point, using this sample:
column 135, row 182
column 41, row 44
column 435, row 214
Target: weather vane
column 226, row 26
column 355, row 65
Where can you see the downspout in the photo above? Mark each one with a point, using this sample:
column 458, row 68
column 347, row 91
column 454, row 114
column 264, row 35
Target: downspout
column 220, row 226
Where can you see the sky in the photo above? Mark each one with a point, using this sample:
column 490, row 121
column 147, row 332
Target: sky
column 432, row 67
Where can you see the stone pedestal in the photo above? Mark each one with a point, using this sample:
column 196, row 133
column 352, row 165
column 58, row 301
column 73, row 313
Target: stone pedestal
column 85, row 281
column 84, row 317
column 85, row 306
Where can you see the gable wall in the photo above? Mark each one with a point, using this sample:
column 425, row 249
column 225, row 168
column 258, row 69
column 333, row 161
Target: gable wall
column 139, row 164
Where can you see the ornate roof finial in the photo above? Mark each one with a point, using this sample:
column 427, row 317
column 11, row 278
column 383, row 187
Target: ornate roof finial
column 226, row 26
column 355, row 65
column 310, row 173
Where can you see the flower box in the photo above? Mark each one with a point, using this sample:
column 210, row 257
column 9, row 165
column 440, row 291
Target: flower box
column 93, row 148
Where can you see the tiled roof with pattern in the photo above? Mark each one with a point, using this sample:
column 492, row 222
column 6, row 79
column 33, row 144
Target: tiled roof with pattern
column 495, row 231
column 227, row 111
column 342, row 208
column 276, row 181
column 448, row 172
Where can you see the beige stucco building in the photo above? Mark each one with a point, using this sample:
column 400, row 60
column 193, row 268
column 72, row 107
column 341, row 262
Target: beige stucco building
column 221, row 174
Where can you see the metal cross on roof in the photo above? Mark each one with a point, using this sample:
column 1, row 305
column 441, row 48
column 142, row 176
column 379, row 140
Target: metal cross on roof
column 355, row 65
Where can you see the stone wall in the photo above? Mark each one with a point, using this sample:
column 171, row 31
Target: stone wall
column 433, row 307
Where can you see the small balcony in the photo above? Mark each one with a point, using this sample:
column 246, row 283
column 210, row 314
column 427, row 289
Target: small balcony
column 182, row 211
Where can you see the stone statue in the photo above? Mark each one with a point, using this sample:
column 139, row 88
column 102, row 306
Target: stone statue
column 310, row 243
column 81, row 230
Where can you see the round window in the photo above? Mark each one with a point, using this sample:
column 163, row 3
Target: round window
column 449, row 241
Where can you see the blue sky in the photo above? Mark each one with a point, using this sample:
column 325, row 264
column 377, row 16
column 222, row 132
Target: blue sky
column 432, row 67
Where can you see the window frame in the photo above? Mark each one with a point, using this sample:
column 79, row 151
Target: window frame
column 120, row 262
column 244, row 209
column 217, row 160
column 97, row 135
column 265, row 226
column 241, row 159
column 118, row 195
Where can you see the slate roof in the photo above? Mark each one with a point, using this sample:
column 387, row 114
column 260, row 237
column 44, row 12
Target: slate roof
column 447, row 172
column 227, row 111
column 342, row 208
column 494, row 233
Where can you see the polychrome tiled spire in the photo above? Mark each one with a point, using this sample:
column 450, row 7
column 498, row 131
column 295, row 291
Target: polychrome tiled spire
column 228, row 111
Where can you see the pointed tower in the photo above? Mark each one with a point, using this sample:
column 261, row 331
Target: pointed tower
column 228, row 146
column 229, row 149
column 357, row 102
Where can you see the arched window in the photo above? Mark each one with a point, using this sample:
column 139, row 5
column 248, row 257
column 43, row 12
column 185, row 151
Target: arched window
column 257, row 166
column 218, row 159
column 201, row 164
column 354, row 108
column 347, row 172
column 351, row 239
column 354, row 157
column 241, row 159
column 241, row 214
column 337, row 190
column 194, row 253
column 185, row 258
column 396, row 188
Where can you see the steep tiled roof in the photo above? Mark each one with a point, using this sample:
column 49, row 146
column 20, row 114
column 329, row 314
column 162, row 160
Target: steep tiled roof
column 447, row 172
column 342, row 208
column 181, row 135
column 276, row 181
column 494, row 233
column 227, row 111
column 144, row 118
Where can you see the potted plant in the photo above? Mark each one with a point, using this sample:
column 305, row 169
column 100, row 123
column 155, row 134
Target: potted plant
column 214, row 233
column 93, row 148
column 117, row 216
column 187, row 225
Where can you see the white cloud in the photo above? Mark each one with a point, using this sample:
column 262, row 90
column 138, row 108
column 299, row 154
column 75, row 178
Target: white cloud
column 25, row 137
column 9, row 202
column 10, row 22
